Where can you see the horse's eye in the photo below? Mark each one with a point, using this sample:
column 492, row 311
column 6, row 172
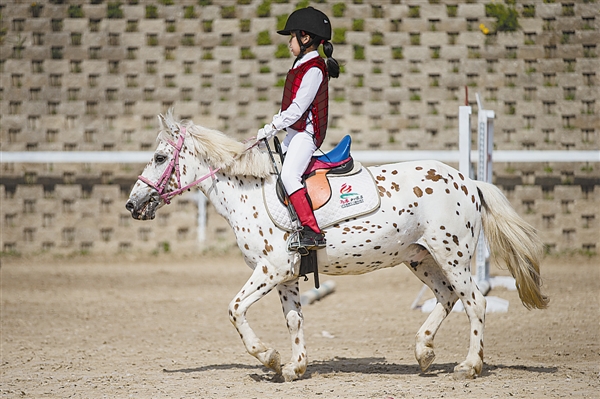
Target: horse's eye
column 160, row 158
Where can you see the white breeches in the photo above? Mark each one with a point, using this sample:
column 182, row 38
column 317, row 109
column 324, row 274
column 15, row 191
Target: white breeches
column 299, row 147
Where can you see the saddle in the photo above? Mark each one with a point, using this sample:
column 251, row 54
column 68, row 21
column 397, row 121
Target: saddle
column 336, row 162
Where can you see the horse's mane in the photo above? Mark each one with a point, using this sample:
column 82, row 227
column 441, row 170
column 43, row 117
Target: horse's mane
column 219, row 150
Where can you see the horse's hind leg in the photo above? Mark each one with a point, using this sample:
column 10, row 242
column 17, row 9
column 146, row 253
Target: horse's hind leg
column 424, row 352
column 451, row 282
column 429, row 272
column 262, row 281
column 475, row 304
column 457, row 272
column 289, row 294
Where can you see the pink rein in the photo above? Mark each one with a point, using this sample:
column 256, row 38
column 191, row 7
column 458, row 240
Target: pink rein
column 161, row 185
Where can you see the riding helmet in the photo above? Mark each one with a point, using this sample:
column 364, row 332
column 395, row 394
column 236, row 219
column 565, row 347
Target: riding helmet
column 309, row 20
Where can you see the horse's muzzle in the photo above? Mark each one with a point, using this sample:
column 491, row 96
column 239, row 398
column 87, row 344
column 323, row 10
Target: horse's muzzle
column 145, row 210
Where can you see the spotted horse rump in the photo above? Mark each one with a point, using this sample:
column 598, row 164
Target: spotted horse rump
column 429, row 218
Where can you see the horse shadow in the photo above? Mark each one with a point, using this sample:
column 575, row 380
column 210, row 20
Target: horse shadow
column 366, row 366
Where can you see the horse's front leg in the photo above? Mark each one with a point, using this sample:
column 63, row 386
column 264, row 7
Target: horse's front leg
column 263, row 280
column 289, row 294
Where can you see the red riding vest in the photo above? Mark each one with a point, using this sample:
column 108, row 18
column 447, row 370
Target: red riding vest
column 318, row 108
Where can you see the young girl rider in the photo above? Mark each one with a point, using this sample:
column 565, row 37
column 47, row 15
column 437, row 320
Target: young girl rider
column 303, row 111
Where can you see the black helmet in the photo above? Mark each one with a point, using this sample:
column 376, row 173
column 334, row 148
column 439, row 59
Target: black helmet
column 309, row 20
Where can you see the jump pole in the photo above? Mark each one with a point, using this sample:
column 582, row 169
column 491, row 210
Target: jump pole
column 201, row 201
column 485, row 144
column 464, row 138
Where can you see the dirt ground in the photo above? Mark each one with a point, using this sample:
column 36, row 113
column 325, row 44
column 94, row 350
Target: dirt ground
column 158, row 328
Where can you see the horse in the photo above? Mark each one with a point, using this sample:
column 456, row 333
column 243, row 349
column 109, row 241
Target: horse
column 429, row 218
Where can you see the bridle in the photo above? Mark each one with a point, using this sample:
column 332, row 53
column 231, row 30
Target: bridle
column 161, row 185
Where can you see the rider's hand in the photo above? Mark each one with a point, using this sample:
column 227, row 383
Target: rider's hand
column 266, row 132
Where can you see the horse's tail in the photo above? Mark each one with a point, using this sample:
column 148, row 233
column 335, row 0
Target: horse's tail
column 516, row 242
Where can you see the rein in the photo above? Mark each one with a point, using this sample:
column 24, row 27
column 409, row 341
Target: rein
column 161, row 185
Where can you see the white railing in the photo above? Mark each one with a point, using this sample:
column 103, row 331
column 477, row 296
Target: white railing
column 367, row 157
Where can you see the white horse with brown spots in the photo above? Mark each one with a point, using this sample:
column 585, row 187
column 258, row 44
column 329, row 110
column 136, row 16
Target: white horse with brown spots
column 429, row 218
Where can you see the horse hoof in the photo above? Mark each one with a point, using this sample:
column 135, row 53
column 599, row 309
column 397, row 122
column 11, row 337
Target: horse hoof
column 289, row 375
column 293, row 372
column 464, row 372
column 273, row 361
column 426, row 360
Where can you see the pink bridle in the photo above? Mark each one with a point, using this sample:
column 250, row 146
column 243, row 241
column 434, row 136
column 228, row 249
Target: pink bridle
column 161, row 184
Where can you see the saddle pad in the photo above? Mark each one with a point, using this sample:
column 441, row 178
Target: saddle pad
column 351, row 196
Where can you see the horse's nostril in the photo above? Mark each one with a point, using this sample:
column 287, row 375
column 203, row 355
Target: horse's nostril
column 129, row 206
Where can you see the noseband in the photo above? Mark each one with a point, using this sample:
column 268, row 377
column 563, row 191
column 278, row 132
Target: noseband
column 161, row 185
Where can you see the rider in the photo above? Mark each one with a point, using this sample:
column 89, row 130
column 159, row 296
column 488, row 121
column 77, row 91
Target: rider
column 303, row 111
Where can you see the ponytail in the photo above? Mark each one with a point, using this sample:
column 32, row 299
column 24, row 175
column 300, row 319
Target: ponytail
column 333, row 67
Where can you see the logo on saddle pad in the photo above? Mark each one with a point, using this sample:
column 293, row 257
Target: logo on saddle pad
column 348, row 198
column 357, row 196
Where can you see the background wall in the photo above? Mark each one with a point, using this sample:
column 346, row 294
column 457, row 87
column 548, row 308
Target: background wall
column 93, row 75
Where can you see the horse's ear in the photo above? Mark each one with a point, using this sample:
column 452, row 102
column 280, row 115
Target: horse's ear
column 161, row 120
column 169, row 122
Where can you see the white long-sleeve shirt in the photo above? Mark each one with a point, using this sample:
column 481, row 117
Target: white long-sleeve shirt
column 304, row 97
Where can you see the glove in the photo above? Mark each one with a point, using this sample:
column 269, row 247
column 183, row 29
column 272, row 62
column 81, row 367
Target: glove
column 266, row 132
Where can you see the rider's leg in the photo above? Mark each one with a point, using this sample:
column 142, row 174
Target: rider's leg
column 311, row 236
column 304, row 210
column 300, row 149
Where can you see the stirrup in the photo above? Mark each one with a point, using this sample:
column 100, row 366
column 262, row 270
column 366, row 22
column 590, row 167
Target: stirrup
column 305, row 240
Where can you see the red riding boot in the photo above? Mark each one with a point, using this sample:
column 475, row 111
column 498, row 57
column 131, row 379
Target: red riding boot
column 311, row 236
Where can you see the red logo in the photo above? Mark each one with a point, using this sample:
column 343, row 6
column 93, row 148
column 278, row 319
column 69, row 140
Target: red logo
column 345, row 189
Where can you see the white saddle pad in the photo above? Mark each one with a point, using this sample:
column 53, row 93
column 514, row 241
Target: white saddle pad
column 351, row 196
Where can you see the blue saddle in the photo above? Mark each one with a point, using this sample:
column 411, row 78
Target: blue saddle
column 339, row 153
